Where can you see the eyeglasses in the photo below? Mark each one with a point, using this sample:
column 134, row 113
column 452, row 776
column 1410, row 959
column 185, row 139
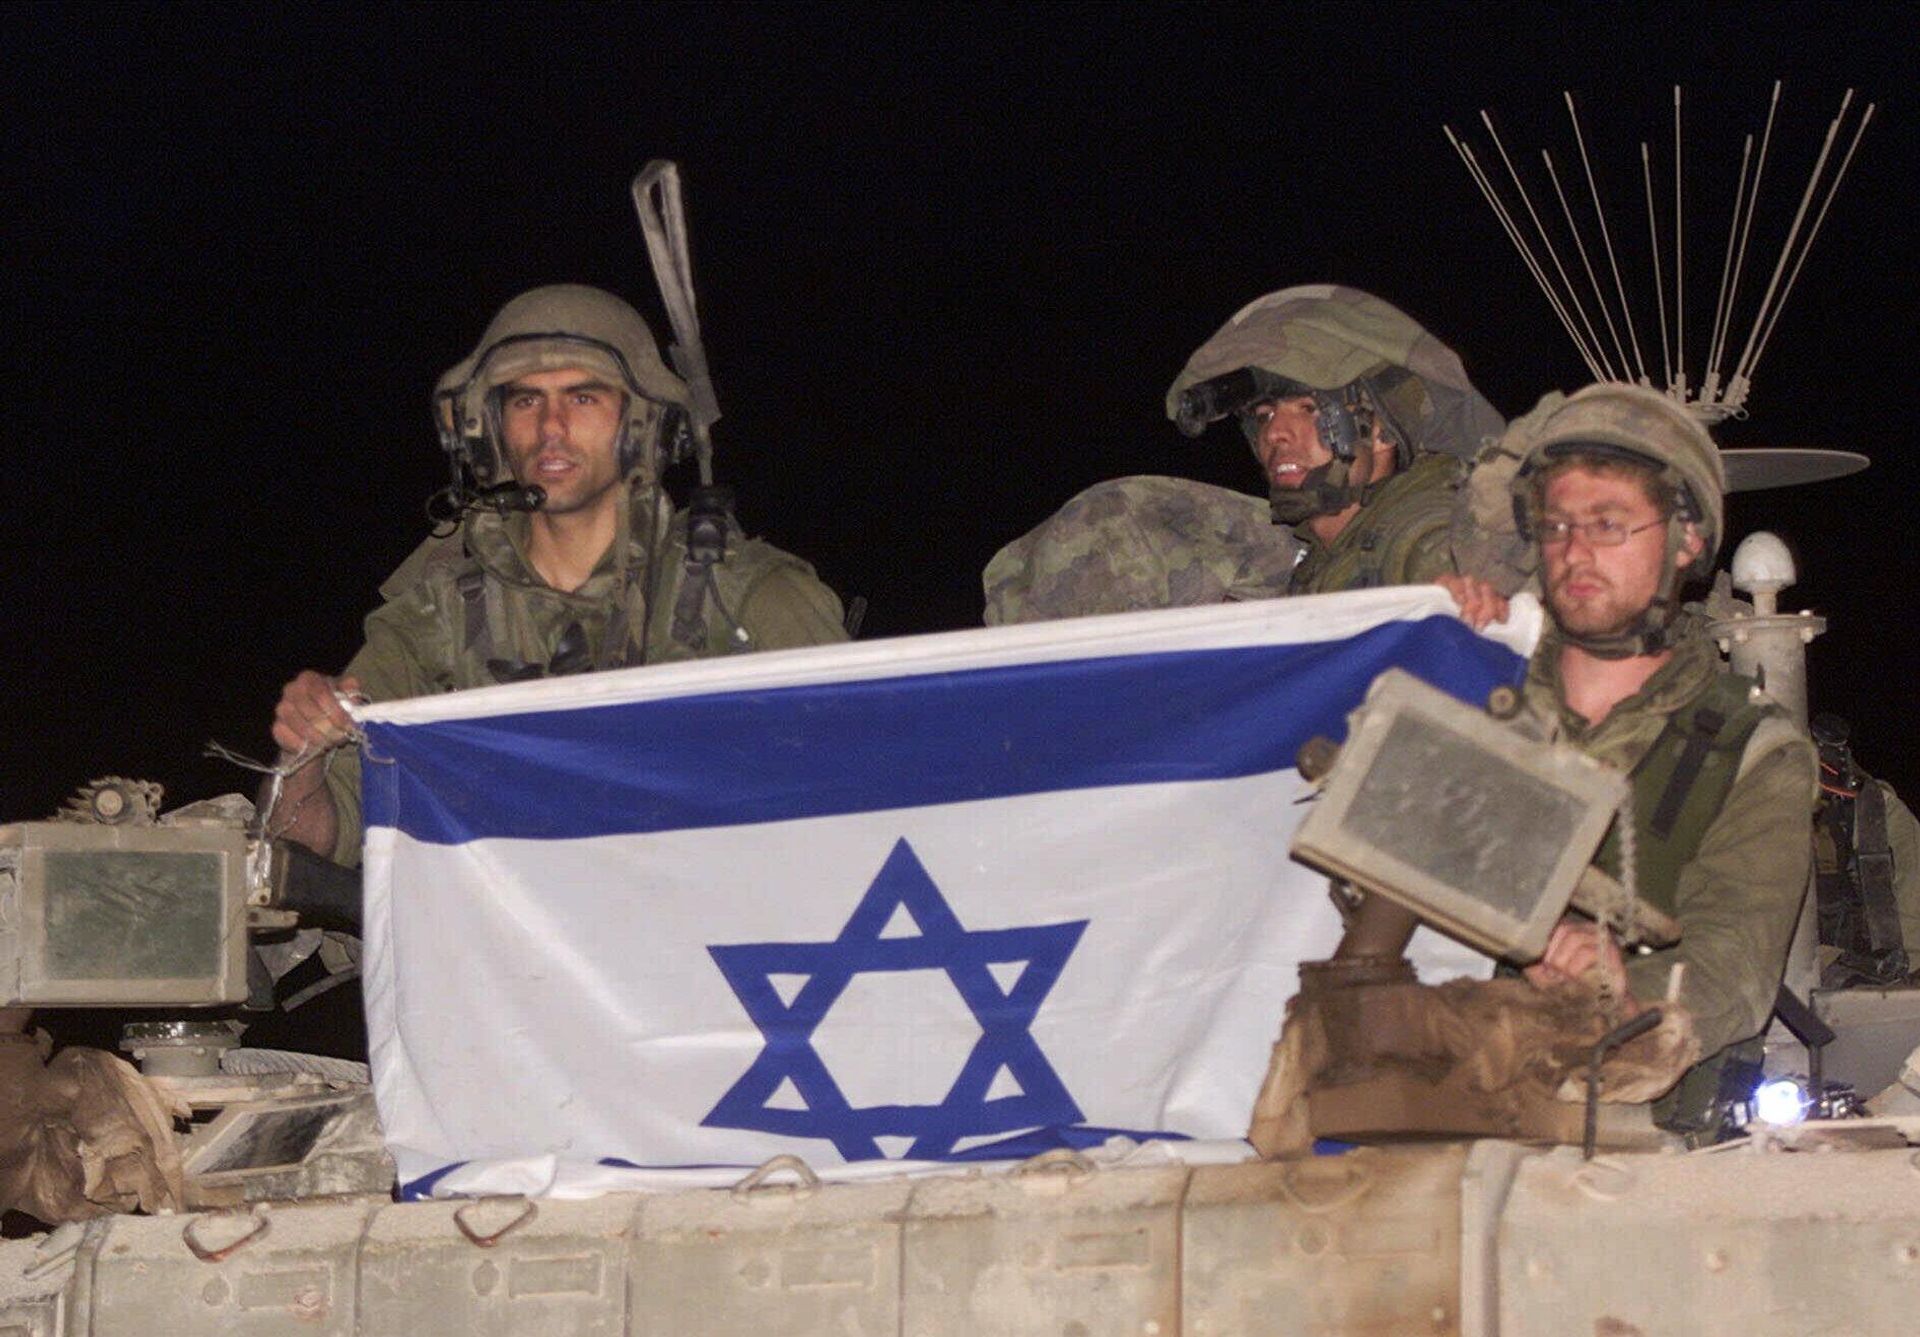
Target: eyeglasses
column 1605, row 531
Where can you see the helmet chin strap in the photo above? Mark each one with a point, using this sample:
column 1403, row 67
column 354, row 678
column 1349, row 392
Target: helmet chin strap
column 1651, row 634
column 1324, row 491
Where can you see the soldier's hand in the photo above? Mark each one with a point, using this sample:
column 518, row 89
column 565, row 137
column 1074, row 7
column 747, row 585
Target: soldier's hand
column 1581, row 951
column 310, row 715
column 1480, row 603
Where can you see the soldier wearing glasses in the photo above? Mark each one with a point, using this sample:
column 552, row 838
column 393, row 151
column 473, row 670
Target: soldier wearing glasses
column 1623, row 494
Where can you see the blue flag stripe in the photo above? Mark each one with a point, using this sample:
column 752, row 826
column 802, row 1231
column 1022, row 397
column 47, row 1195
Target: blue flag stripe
column 1019, row 1147
column 748, row 757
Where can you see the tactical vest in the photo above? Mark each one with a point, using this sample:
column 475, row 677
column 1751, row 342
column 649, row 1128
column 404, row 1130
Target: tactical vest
column 1381, row 544
column 705, row 597
column 1679, row 788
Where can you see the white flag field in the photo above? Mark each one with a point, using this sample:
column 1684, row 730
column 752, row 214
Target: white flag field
column 960, row 897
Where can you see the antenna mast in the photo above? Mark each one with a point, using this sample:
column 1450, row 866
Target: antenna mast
column 1608, row 359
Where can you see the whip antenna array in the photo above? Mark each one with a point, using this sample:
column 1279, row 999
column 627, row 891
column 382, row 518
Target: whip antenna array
column 1717, row 392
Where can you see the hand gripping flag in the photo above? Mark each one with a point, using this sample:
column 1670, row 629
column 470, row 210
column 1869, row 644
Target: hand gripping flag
column 943, row 898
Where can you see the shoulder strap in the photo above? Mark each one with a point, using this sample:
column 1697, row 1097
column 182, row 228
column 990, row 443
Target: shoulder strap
column 690, row 606
column 1702, row 729
column 1873, row 861
column 712, row 583
column 476, row 635
column 1682, row 782
column 720, row 587
column 1679, row 788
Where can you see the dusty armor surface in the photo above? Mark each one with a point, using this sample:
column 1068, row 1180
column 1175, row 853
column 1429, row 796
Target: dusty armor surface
column 1493, row 1238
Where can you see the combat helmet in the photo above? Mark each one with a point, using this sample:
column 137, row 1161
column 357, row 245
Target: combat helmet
column 1363, row 362
column 1635, row 424
column 546, row 329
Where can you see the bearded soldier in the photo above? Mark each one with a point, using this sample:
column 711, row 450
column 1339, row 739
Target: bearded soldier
column 565, row 393
column 1623, row 493
column 1362, row 423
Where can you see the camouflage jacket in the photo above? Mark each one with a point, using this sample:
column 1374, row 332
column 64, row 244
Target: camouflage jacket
column 468, row 610
column 1399, row 537
column 1142, row 542
column 1738, row 897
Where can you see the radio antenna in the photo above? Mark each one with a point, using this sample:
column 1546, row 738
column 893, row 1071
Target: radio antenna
column 1617, row 358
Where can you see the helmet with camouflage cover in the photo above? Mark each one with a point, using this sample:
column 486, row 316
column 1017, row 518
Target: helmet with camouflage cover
column 1633, row 424
column 563, row 325
column 1365, row 364
column 1141, row 542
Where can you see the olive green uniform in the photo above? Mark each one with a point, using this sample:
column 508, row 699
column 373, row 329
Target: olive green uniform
column 1400, row 536
column 468, row 610
column 1738, row 895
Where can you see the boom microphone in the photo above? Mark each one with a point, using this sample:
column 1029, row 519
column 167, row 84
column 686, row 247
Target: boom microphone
column 503, row 498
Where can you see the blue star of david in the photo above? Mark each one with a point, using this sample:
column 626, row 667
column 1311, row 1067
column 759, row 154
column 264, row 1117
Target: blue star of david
column 1005, row 1018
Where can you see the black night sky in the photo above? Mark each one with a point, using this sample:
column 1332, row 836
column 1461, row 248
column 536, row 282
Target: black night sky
column 949, row 258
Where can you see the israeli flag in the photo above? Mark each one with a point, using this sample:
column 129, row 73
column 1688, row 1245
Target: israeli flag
column 944, row 898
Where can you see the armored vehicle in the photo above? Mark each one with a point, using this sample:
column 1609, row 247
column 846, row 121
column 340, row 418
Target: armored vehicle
column 266, row 1204
column 222, row 1189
